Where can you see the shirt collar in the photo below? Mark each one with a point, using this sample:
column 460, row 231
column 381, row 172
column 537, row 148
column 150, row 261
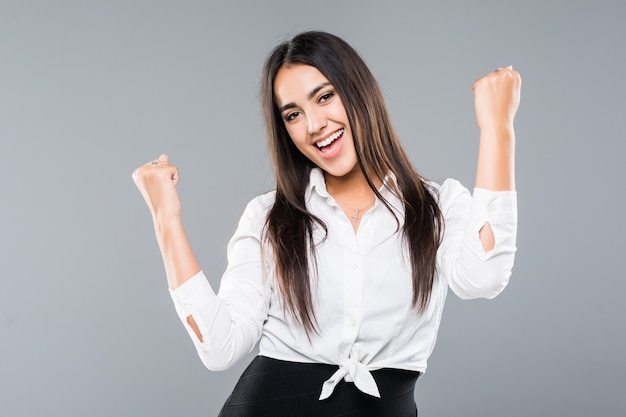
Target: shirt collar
column 317, row 183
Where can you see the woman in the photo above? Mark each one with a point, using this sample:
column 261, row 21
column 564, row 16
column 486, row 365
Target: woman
column 343, row 270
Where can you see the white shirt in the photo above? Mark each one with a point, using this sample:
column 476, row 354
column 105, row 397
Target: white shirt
column 363, row 292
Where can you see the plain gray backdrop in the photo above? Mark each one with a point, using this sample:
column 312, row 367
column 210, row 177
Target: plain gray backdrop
column 89, row 90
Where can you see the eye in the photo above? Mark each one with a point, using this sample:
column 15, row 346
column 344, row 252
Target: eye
column 289, row 117
column 326, row 96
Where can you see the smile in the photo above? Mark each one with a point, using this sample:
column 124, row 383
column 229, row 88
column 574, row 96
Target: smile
column 324, row 143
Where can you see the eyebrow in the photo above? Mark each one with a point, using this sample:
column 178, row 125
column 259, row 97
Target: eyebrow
column 311, row 94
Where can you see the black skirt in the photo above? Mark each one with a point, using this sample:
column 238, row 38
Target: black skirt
column 275, row 388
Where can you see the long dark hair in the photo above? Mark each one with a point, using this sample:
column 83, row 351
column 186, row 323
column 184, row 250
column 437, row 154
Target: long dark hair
column 289, row 225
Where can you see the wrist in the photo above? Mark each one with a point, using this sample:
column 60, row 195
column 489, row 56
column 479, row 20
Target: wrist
column 164, row 222
column 500, row 131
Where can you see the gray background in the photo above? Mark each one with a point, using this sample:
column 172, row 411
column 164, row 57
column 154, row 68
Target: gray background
column 91, row 89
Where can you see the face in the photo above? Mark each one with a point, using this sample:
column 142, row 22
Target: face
column 315, row 119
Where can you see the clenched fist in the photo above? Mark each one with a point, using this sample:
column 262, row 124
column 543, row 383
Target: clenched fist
column 157, row 181
column 496, row 99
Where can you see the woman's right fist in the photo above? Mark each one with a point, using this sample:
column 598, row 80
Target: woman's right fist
column 157, row 181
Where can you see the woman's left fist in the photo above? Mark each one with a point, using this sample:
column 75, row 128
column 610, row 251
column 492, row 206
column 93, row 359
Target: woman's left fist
column 496, row 98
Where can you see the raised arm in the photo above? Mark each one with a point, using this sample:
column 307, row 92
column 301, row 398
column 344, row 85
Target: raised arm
column 496, row 100
column 223, row 326
column 157, row 181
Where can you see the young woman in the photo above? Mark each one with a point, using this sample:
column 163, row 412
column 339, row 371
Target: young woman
column 342, row 272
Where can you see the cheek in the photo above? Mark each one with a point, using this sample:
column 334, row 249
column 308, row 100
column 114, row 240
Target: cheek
column 297, row 136
column 303, row 148
column 339, row 110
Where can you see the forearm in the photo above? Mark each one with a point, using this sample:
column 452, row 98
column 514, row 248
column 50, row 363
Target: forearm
column 178, row 258
column 225, row 327
column 496, row 169
column 496, row 159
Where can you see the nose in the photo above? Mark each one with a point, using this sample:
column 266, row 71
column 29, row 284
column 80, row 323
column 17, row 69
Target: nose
column 316, row 121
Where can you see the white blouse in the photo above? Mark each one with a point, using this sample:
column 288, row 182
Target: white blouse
column 363, row 292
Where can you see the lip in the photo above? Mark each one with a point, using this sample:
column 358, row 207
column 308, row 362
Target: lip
column 323, row 138
column 333, row 150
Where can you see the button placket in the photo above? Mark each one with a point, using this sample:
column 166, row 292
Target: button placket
column 353, row 296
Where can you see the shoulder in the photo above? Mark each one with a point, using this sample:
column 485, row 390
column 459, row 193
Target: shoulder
column 253, row 218
column 262, row 202
column 449, row 193
column 259, row 206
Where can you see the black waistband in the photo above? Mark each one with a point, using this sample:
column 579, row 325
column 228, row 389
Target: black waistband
column 271, row 387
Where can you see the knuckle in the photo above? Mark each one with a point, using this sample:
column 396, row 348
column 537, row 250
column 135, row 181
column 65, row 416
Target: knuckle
column 136, row 174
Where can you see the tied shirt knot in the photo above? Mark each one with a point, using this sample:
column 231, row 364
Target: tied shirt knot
column 352, row 369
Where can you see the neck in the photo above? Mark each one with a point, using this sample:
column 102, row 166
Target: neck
column 353, row 194
column 352, row 187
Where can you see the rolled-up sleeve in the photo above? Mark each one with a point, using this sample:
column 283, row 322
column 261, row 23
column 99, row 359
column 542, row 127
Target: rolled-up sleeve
column 470, row 271
column 230, row 321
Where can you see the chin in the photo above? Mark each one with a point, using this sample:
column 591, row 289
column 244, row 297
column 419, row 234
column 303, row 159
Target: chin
column 341, row 171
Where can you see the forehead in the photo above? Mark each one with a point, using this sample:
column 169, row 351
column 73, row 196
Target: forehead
column 293, row 83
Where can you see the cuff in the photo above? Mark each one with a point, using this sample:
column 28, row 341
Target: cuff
column 196, row 298
column 192, row 294
column 495, row 207
column 499, row 209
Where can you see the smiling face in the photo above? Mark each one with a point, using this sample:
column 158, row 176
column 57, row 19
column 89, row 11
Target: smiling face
column 315, row 118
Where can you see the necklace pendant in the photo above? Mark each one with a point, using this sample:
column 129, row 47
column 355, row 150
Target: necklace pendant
column 355, row 217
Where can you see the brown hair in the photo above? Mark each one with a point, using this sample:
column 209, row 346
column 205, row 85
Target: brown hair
column 289, row 225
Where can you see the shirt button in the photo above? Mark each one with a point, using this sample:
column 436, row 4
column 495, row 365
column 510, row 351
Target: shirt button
column 492, row 207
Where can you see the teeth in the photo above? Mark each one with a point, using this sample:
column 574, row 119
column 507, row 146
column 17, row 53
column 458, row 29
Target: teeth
column 329, row 140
